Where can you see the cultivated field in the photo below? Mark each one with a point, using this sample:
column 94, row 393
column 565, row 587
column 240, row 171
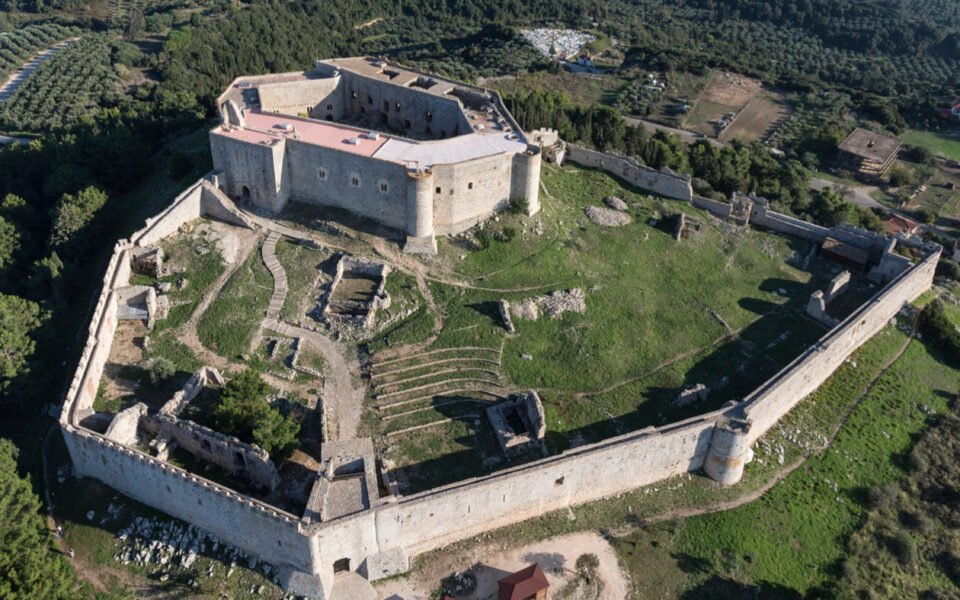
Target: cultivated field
column 756, row 120
column 755, row 109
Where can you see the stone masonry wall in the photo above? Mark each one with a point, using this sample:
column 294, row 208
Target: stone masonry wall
column 775, row 398
column 664, row 183
column 301, row 96
column 470, row 192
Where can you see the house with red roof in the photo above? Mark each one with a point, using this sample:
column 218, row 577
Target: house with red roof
column 526, row 584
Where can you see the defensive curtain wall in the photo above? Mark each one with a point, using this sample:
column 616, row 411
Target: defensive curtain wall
column 378, row 541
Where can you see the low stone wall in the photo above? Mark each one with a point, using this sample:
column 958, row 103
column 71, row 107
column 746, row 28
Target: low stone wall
column 663, row 182
column 185, row 207
column 718, row 209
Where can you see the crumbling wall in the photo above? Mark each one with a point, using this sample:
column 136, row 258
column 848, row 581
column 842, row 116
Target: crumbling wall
column 299, row 97
column 255, row 527
column 775, row 398
column 663, row 182
column 123, row 427
column 227, row 452
column 186, row 207
column 719, row 209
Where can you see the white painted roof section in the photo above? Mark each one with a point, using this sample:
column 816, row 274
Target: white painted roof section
column 452, row 150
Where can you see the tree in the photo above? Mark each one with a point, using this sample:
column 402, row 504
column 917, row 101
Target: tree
column 19, row 318
column 9, row 242
column 73, row 213
column 29, row 567
column 244, row 412
column 136, row 24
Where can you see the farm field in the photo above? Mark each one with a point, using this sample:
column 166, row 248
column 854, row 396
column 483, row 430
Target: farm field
column 940, row 198
column 756, row 119
column 943, row 144
column 582, row 89
column 63, row 89
column 17, row 46
column 726, row 93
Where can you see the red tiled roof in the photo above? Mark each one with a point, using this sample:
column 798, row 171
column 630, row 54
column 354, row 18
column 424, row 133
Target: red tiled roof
column 896, row 224
column 523, row 584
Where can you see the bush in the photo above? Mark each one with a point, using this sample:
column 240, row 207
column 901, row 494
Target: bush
column 904, row 548
column 939, row 332
column 587, row 565
column 161, row 369
column 882, row 496
column 948, row 268
column 519, row 205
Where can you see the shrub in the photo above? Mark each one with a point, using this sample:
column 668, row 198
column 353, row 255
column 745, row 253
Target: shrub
column 161, row 369
column 948, row 268
column 519, row 205
column 587, row 565
column 483, row 238
column 939, row 332
column 881, row 497
column 904, row 548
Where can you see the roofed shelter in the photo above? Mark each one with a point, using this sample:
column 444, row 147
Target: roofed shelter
column 526, row 584
column 849, row 256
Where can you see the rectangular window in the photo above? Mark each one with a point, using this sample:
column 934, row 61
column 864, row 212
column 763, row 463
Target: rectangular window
column 322, row 174
column 439, row 190
column 329, row 107
column 384, row 187
column 470, row 186
column 355, row 181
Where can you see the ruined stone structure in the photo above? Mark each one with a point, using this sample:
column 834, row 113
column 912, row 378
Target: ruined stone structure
column 817, row 306
column 356, row 523
column 413, row 151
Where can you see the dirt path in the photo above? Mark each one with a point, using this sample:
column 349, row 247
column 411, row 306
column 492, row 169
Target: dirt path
column 187, row 334
column 556, row 557
column 343, row 397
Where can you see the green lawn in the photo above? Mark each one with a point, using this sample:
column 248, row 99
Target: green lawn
column 229, row 323
column 649, row 300
column 943, row 144
column 302, row 266
column 793, row 539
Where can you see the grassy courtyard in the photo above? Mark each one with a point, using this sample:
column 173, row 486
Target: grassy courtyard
column 722, row 307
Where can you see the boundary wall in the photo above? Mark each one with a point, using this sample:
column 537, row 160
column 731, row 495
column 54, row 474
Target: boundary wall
column 378, row 541
column 664, row 182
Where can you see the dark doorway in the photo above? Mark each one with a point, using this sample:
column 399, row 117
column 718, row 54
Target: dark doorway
column 329, row 117
column 245, row 194
column 342, row 565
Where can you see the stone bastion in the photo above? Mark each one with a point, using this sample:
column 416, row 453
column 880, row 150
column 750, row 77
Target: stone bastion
column 377, row 536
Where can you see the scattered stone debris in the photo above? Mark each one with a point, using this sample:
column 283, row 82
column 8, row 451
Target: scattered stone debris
column 553, row 304
column 615, row 203
column 606, row 217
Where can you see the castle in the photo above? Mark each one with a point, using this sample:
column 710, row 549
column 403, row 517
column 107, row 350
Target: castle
column 415, row 152
column 354, row 523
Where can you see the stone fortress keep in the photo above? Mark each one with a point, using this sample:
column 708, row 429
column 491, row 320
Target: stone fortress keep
column 416, row 152
column 461, row 159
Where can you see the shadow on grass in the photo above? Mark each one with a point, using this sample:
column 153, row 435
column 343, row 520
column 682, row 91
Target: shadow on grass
column 718, row 587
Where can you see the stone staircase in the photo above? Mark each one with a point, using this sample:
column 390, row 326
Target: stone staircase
column 279, row 275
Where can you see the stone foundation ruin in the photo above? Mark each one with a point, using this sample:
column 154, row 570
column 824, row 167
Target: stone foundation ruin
column 356, row 292
column 518, row 423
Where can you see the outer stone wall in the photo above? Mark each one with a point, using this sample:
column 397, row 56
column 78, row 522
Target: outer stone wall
column 665, row 183
column 470, row 191
column 764, row 407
